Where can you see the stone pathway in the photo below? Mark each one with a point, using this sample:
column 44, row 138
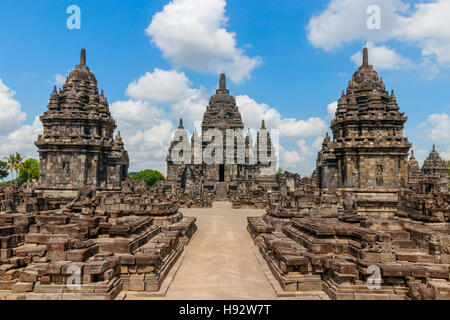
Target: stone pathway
column 220, row 261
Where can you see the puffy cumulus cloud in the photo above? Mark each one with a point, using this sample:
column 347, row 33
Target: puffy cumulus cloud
column 166, row 86
column 14, row 135
column 303, row 158
column 146, row 120
column 437, row 128
column 131, row 114
column 344, row 21
column 192, row 107
column 11, row 114
column 22, row 140
column 59, row 79
column 192, row 34
column 331, row 110
column 425, row 25
column 309, row 133
column 146, row 132
column 382, row 57
column 446, row 154
column 253, row 112
column 148, row 147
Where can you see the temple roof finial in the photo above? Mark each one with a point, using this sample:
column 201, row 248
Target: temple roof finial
column 412, row 154
column 223, row 82
column 365, row 57
column 181, row 124
column 54, row 90
column 83, row 57
column 263, row 124
column 434, row 147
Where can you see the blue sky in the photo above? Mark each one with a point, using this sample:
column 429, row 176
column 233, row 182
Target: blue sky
column 281, row 63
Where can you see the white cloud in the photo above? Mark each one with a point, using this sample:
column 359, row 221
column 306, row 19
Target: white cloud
column 59, row 79
column 22, row 140
column 302, row 159
column 146, row 137
column 11, row 114
column 133, row 114
column 437, row 128
column 146, row 121
column 192, row 34
column 163, row 86
column 192, row 107
column 382, row 57
column 446, row 154
column 172, row 88
column 424, row 25
column 253, row 112
column 344, row 21
column 331, row 109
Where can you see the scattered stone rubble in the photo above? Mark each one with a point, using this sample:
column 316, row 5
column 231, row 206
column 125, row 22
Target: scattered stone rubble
column 94, row 247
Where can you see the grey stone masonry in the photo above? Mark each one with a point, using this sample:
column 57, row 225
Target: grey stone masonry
column 77, row 147
column 241, row 167
column 368, row 149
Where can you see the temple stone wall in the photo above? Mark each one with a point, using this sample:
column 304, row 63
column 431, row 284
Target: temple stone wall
column 229, row 173
column 77, row 147
column 368, row 150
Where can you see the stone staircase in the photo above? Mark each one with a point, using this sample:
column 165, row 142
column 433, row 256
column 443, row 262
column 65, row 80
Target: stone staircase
column 221, row 191
column 407, row 249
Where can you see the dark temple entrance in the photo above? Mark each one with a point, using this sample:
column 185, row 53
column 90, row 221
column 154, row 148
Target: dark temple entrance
column 221, row 172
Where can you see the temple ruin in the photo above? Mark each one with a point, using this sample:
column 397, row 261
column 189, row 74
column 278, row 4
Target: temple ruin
column 84, row 230
column 220, row 166
column 77, row 148
column 370, row 224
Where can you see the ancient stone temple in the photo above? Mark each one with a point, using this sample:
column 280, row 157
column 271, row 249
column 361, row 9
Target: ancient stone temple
column 220, row 160
column 368, row 148
column 415, row 175
column 435, row 173
column 77, row 147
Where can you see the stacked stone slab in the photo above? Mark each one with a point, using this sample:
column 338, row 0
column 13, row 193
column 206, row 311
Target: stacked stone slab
column 340, row 258
column 96, row 246
column 190, row 172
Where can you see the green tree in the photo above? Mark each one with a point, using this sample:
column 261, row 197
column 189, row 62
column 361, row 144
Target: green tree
column 14, row 163
column 279, row 173
column 29, row 171
column 3, row 170
column 150, row 177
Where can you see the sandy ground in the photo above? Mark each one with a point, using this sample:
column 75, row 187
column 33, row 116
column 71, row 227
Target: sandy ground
column 220, row 262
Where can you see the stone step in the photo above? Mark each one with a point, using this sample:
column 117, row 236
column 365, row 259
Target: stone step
column 414, row 256
column 405, row 244
column 399, row 235
column 222, row 205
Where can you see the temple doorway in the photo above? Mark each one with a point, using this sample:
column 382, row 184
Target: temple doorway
column 221, row 172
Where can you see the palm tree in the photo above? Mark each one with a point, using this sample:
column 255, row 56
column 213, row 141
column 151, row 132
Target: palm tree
column 14, row 163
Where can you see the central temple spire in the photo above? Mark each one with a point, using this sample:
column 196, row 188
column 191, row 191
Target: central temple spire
column 223, row 82
column 83, row 57
column 365, row 57
column 222, row 85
